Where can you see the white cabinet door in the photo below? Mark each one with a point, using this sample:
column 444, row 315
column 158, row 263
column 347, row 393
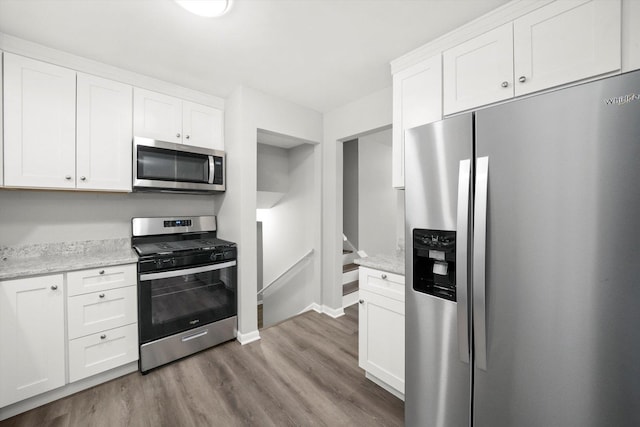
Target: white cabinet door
column 39, row 124
column 479, row 71
column 1, row 133
column 417, row 100
column 566, row 41
column 104, row 134
column 630, row 35
column 32, row 341
column 95, row 312
column 381, row 338
column 203, row 126
column 157, row 116
column 102, row 351
column 101, row 279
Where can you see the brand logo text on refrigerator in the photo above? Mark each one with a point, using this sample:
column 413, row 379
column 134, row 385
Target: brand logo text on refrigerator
column 621, row 100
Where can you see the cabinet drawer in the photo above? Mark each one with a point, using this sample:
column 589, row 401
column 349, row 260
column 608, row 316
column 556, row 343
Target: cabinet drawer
column 101, row 279
column 99, row 352
column 98, row 311
column 381, row 282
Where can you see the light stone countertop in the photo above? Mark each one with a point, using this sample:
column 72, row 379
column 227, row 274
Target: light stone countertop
column 49, row 258
column 390, row 263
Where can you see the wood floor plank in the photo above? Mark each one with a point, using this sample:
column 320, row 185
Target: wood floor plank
column 302, row 372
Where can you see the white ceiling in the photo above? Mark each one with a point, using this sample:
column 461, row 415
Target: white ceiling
column 317, row 53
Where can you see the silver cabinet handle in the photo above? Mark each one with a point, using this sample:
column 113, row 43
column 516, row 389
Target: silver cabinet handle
column 101, row 296
column 464, row 179
column 384, row 276
column 178, row 135
column 505, row 84
column 54, row 287
column 522, row 79
column 101, row 272
column 67, row 177
column 479, row 263
column 187, row 136
column 83, row 178
column 103, row 336
column 361, row 301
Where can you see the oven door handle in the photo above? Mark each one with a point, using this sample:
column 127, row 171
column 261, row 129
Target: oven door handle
column 185, row 271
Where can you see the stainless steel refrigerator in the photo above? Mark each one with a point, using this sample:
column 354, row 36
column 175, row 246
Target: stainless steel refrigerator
column 523, row 262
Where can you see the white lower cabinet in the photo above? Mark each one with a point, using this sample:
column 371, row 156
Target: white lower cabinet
column 101, row 330
column 98, row 311
column 102, row 316
column 381, row 327
column 32, row 349
column 102, row 351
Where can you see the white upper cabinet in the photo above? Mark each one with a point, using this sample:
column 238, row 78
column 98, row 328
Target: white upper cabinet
column 32, row 337
column 39, row 124
column 1, row 143
column 170, row 119
column 566, row 41
column 157, row 116
column 202, row 126
column 479, row 71
column 104, row 134
column 630, row 35
column 559, row 43
column 417, row 100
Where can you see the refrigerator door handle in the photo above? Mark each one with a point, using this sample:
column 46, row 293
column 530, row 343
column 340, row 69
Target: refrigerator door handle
column 479, row 263
column 464, row 177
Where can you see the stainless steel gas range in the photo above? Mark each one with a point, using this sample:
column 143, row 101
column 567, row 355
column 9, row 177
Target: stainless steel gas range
column 186, row 287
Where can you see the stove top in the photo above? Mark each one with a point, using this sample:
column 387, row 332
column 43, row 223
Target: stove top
column 174, row 247
column 179, row 236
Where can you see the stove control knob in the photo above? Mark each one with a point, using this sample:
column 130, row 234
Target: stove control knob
column 173, row 262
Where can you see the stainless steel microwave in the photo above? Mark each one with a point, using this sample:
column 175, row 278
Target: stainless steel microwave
column 165, row 166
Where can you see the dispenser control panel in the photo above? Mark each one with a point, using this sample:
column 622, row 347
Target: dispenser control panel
column 434, row 262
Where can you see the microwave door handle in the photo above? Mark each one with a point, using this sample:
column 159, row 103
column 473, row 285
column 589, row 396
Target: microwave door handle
column 185, row 271
column 212, row 169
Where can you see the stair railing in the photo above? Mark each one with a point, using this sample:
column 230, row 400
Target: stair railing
column 281, row 275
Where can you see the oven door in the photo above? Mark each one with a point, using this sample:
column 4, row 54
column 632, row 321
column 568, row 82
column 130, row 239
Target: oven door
column 159, row 165
column 178, row 300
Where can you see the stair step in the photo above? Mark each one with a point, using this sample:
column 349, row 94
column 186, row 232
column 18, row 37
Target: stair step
column 349, row 267
column 350, row 287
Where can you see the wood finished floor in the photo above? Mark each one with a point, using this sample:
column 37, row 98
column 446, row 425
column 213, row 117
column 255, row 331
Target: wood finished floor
column 303, row 372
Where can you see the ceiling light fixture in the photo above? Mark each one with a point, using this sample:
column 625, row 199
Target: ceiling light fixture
column 206, row 8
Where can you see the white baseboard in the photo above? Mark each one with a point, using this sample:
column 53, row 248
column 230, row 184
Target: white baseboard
column 313, row 306
column 350, row 299
column 67, row 390
column 333, row 312
column 248, row 337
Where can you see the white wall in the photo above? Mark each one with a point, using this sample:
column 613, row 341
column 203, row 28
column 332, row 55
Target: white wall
column 247, row 111
column 286, row 238
column 365, row 115
column 377, row 199
column 350, row 194
column 273, row 168
column 28, row 217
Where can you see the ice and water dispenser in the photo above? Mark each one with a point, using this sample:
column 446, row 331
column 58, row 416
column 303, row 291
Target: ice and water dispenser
column 434, row 262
